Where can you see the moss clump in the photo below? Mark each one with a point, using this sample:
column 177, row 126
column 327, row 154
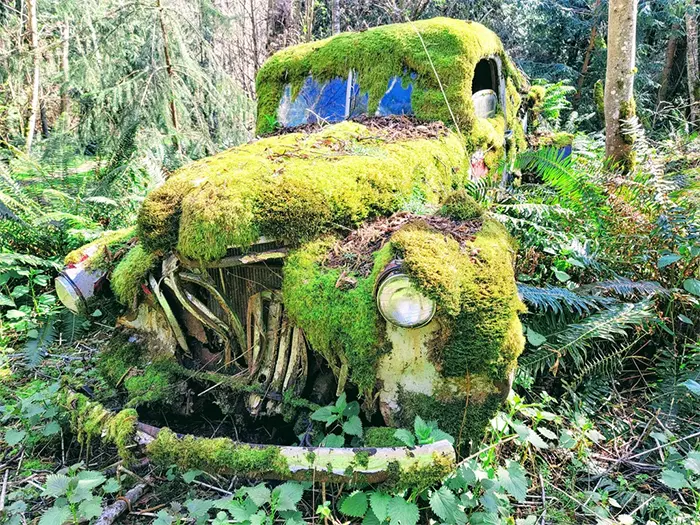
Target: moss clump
column 599, row 99
column 97, row 252
column 117, row 357
column 535, row 99
column 628, row 110
column 460, row 206
column 131, row 273
column 295, row 186
column 418, row 479
column 382, row 437
column 379, row 54
column 342, row 325
column 90, row 421
column 217, row 456
column 556, row 140
column 475, row 288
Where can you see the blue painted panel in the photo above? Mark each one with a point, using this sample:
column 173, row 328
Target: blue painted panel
column 397, row 99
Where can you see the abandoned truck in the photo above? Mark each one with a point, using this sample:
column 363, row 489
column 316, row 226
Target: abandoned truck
column 339, row 252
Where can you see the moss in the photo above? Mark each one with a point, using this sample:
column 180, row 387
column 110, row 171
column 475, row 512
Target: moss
column 628, row 110
column 294, row 186
column 382, row 437
column 460, row 206
column 535, row 99
column 120, row 430
column 117, row 357
column 419, row 478
column 379, row 54
column 556, row 140
column 220, row 456
column 342, row 325
column 159, row 382
column 96, row 253
column 599, row 99
column 476, row 292
column 362, row 459
column 131, row 273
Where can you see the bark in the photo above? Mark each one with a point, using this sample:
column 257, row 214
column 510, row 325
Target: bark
column 308, row 19
column 619, row 80
column 169, row 71
column 589, row 50
column 335, row 16
column 691, row 30
column 671, row 48
column 34, row 45
column 65, row 66
column 119, row 507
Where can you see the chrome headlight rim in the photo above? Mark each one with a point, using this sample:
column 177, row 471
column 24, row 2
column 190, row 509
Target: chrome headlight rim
column 393, row 271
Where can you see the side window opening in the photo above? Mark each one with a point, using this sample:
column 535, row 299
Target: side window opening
column 485, row 88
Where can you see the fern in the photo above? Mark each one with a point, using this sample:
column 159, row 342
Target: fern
column 555, row 299
column 36, row 348
column 8, row 259
column 628, row 289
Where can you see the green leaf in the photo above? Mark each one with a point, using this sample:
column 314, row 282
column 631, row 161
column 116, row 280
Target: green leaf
column 111, row 486
column 355, row 505
column 288, row 495
column 692, row 462
column 199, row 509
column 530, row 520
column 561, row 276
column 667, row 260
column 406, row 437
column 221, row 519
column 401, row 512
column 440, row 435
column 692, row 385
column 90, row 508
column 55, row 516
column 341, row 404
column 333, row 441
column 353, row 426
column 259, row 494
column 353, row 409
column 673, row 479
column 189, row 476
column 546, row 433
column 371, row 519
column 56, row 485
column 444, row 504
column 379, row 503
column 163, row 518
column 15, row 314
column 566, row 440
column 89, row 479
column 692, row 286
column 13, row 437
column 323, row 414
column 51, row 429
column 421, row 428
column 6, row 301
column 291, row 517
column 514, row 480
column 535, row 338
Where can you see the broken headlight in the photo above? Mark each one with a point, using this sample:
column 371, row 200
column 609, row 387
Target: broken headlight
column 401, row 303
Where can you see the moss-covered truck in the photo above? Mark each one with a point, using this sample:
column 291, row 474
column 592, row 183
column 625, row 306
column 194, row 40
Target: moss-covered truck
column 340, row 252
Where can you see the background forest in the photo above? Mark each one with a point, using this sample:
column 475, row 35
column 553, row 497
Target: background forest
column 100, row 100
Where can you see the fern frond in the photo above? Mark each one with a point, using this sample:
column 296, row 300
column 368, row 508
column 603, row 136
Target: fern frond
column 628, row 289
column 9, row 259
column 35, row 349
column 555, row 299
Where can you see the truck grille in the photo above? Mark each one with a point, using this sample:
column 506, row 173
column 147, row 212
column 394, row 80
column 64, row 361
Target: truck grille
column 239, row 283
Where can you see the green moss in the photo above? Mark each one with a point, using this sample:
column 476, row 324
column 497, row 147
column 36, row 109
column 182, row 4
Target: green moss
column 535, row 99
column 628, row 109
column 131, row 273
column 417, row 479
column 599, row 99
column 460, row 206
column 294, row 186
column 382, row 437
column 120, row 430
column 477, row 293
column 556, row 140
column 220, row 456
column 379, row 54
column 117, row 357
column 98, row 250
column 158, row 383
column 342, row 325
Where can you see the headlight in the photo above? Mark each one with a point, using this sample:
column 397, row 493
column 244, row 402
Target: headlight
column 76, row 287
column 402, row 304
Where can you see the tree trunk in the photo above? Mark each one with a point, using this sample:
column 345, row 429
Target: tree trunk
column 308, row 20
column 32, row 27
column 619, row 80
column 170, row 73
column 335, row 16
column 65, row 66
column 668, row 63
column 691, row 30
column 589, row 50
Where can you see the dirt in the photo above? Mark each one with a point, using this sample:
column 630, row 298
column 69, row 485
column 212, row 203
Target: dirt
column 355, row 252
column 391, row 128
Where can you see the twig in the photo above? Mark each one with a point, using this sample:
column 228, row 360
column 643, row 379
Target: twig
column 544, row 501
column 120, row 506
column 4, row 490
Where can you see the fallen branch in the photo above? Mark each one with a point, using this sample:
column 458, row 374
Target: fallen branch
column 119, row 507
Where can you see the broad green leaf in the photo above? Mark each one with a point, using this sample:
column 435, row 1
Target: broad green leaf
column 111, row 486
column 55, row 516
column 15, row 314
column 530, row 520
column 288, row 495
column 89, row 479
column 401, row 512
column 333, row 441
column 221, row 519
column 514, row 480
column 353, row 409
column 444, row 504
column 546, row 433
column 355, row 505
column 406, row 437
column 323, row 414
column 259, row 494
column 566, row 439
column 163, row 518
column 13, row 436
column 673, row 479
column 51, row 429
column 189, row 476
column 692, row 286
column 6, row 301
column 692, row 462
column 292, row 517
column 692, row 385
column 90, row 508
column 341, row 404
column 561, row 276
column 666, row 260
column 56, row 485
column 535, row 338
column 379, row 502
column 353, row 426
column 371, row 519
column 199, row 509
column 421, row 428
column 439, row 435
